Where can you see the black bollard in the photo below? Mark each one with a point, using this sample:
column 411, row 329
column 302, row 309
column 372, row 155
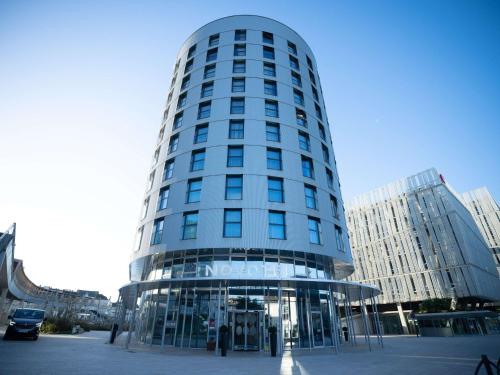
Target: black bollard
column 273, row 338
column 223, row 331
column 113, row 333
column 346, row 333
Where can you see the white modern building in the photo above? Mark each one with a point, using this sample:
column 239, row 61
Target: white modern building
column 486, row 213
column 416, row 240
column 243, row 222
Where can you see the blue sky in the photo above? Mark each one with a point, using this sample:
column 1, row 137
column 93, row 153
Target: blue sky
column 407, row 85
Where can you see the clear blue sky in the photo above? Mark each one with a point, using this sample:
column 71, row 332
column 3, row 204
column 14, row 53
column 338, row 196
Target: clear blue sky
column 408, row 86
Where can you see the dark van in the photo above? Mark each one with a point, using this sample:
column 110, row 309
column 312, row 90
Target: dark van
column 25, row 323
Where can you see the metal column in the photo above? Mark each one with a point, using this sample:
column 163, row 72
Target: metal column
column 363, row 315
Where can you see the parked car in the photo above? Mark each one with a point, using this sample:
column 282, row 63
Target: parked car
column 25, row 323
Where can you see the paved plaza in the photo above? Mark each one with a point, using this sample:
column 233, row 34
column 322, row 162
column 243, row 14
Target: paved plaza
column 88, row 353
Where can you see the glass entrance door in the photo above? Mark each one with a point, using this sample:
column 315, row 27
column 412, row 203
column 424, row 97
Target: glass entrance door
column 246, row 330
column 317, row 328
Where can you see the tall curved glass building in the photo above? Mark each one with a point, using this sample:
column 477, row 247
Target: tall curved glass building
column 243, row 222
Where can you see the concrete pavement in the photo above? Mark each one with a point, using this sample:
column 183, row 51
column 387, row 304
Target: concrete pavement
column 89, row 354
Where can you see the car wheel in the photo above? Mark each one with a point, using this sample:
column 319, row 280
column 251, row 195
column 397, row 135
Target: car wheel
column 35, row 338
column 6, row 336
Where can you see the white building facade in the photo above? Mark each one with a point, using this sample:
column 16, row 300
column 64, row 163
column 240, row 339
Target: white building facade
column 416, row 240
column 486, row 213
column 243, row 221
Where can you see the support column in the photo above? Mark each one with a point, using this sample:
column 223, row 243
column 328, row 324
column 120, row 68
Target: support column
column 333, row 321
column 165, row 318
column 131, row 325
column 3, row 303
column 377, row 322
column 402, row 318
column 218, row 321
column 363, row 315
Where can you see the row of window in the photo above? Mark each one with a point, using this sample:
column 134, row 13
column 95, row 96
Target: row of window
column 241, row 36
column 238, row 83
column 232, row 227
column 237, row 107
column 235, row 158
column 237, row 131
column 234, row 191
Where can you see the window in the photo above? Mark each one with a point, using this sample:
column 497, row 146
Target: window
column 277, row 227
column 340, row 241
column 268, row 52
column 163, row 198
column 311, row 197
column 207, row 89
column 161, row 134
column 239, row 66
column 178, row 120
column 311, row 77
column 318, row 111
column 269, row 69
column 292, row 48
column 237, row 106
column 193, row 192
column 168, row 171
column 329, row 178
column 234, row 186
column 181, row 102
column 191, row 51
column 174, row 142
column 151, row 180
column 298, row 97
column 301, row 117
column 304, row 142
column 209, row 71
column 185, row 83
column 232, row 223
column 197, row 160
column 138, row 238
column 267, row 37
column 190, row 225
column 240, row 50
column 275, row 192
column 322, row 133
column 326, row 154
column 315, row 93
column 156, row 155
column 296, row 80
column 213, row 40
column 307, row 167
column 238, row 85
column 335, row 206
column 270, row 88
column 189, row 66
column 240, row 35
column 145, row 207
column 272, row 131
column 201, row 133
column 157, row 231
column 235, row 156
column 274, row 158
column 204, row 110
column 271, row 108
column 314, row 230
column 309, row 62
column 236, row 129
column 212, row 54
column 294, row 63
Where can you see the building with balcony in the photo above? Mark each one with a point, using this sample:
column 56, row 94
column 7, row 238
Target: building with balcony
column 416, row 240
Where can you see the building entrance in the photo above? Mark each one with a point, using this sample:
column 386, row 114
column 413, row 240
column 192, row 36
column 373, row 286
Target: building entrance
column 245, row 330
